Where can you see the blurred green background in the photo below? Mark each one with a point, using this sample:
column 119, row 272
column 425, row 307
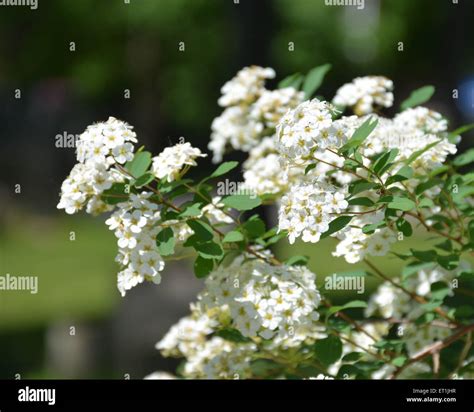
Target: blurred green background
column 122, row 47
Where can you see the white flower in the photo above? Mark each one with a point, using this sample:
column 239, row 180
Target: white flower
column 364, row 94
column 123, row 153
column 188, row 335
column 306, row 128
column 170, row 162
column 272, row 105
column 306, row 210
column 246, row 86
column 84, row 186
column 101, row 141
column 391, row 301
column 251, row 112
column 262, row 299
column 134, row 225
column 98, row 148
column 354, row 244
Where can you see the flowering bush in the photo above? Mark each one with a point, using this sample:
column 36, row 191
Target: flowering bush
column 365, row 180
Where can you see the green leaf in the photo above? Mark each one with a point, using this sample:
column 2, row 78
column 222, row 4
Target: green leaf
column 254, row 227
column 139, row 165
column 232, row 335
column 439, row 170
column 424, row 255
column 360, row 186
column 336, row 225
column 233, row 236
column 418, row 153
column 371, row 228
column 165, row 242
column 118, row 193
column 360, row 201
column 192, row 210
column 406, row 172
column 383, row 161
column 265, row 368
column 413, row 268
column 209, row 250
column 404, row 227
column 449, row 262
column 276, row 238
column 463, row 193
column 293, row 80
column 297, row 260
column 360, row 134
column 202, row 230
column 417, row 97
column 314, row 79
column 143, row 180
column 399, row 361
column 310, row 167
column 224, row 168
column 460, row 130
column 439, row 290
column 464, row 159
column 166, row 187
column 464, row 311
column 425, row 202
column 427, row 185
column 352, row 357
column 355, row 304
column 242, row 202
column 202, row 267
column 447, row 245
column 401, row 203
column 328, row 350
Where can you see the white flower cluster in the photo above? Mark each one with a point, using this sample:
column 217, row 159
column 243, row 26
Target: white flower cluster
column 207, row 356
column 409, row 131
column 308, row 127
column 354, row 245
column 364, row 94
column 263, row 300
column 98, row 148
column 134, row 225
column 251, row 111
column 307, row 209
column 419, row 337
column 391, row 302
column 171, row 161
column 84, row 186
column 188, row 335
column 246, row 86
column 263, row 173
column 220, row 359
column 423, row 119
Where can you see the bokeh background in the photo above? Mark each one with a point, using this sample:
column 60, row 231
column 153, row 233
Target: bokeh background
column 77, row 326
